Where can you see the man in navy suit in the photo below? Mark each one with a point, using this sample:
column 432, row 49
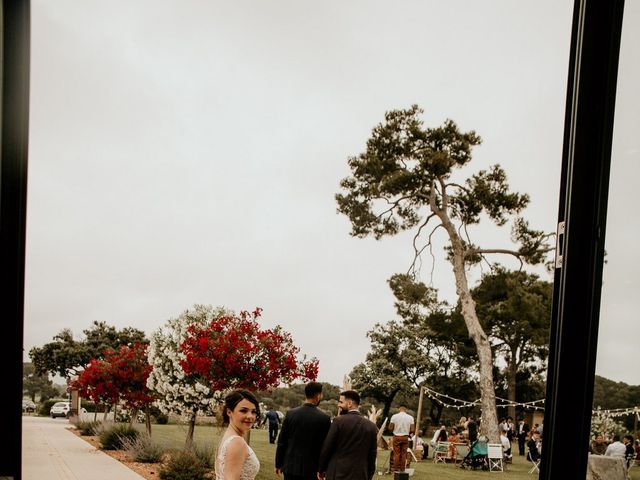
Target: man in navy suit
column 303, row 431
column 273, row 420
column 349, row 451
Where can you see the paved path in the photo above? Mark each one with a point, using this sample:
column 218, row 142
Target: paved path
column 51, row 452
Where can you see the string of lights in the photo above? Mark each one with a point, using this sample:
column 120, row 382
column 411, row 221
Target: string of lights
column 456, row 403
column 618, row 412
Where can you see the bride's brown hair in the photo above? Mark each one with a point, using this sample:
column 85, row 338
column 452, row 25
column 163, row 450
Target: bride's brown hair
column 234, row 398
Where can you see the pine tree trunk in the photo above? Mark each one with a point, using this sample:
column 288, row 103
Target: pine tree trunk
column 483, row 347
column 512, row 371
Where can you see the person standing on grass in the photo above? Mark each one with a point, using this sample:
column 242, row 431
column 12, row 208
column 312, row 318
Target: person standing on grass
column 303, row 431
column 349, row 451
column 235, row 459
column 523, row 433
column 472, row 427
column 274, row 423
column 402, row 426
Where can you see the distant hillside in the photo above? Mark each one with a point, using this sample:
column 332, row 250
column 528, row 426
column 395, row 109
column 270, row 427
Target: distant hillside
column 608, row 394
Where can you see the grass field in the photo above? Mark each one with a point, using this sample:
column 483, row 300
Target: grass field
column 172, row 437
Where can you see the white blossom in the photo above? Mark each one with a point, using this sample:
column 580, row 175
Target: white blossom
column 176, row 392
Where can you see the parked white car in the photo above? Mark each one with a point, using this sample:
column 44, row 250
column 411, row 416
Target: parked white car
column 60, row 409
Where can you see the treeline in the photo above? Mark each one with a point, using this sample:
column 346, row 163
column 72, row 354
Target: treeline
column 611, row 395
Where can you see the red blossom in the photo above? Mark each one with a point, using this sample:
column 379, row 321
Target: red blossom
column 233, row 352
column 120, row 375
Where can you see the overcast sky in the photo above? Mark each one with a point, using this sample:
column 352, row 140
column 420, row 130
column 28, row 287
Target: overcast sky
column 189, row 152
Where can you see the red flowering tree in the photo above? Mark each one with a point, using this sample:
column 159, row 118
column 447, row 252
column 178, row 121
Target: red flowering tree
column 233, row 352
column 121, row 375
column 96, row 383
column 130, row 370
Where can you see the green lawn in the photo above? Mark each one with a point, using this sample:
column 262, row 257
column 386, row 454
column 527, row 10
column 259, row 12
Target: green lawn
column 172, row 437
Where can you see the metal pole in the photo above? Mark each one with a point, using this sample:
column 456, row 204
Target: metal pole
column 418, row 415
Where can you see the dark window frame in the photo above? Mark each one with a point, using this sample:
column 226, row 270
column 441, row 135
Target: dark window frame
column 586, row 158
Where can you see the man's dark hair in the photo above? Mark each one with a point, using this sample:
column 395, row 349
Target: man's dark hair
column 312, row 389
column 351, row 395
column 616, row 438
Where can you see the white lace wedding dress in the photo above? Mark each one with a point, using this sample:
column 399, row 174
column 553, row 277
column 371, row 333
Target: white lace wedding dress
column 250, row 467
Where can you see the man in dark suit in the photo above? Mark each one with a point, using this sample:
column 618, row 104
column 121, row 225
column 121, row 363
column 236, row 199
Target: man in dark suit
column 522, row 431
column 349, row 451
column 303, row 431
column 274, row 422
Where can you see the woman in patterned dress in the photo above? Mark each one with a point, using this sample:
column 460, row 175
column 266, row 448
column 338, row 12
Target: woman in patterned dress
column 235, row 459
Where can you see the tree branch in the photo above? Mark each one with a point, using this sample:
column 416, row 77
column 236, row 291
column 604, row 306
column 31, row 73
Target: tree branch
column 488, row 251
column 456, row 185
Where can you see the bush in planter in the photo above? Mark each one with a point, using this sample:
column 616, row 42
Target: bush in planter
column 143, row 449
column 88, row 428
column 112, row 438
column 183, row 465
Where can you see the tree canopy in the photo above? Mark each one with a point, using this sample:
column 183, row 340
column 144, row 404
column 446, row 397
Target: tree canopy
column 67, row 356
column 33, row 384
column 406, row 179
column 514, row 308
column 427, row 345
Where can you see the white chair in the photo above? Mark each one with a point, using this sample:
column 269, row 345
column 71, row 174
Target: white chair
column 462, row 450
column 441, row 452
column 535, row 465
column 494, row 454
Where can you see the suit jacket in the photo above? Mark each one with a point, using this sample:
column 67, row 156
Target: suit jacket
column 303, row 431
column 525, row 430
column 349, row 451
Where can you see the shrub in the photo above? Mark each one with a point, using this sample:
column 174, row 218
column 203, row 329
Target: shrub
column 205, row 454
column 88, row 428
column 111, row 438
column 143, row 449
column 156, row 413
column 183, row 465
column 161, row 418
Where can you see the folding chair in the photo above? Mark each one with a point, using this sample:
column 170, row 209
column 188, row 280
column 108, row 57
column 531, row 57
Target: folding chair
column 462, row 450
column 494, row 454
column 383, row 467
column 535, row 463
column 441, row 452
column 412, row 455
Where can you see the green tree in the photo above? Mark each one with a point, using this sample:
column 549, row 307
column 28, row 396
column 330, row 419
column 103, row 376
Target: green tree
column 36, row 385
column 427, row 345
column 379, row 378
column 610, row 395
column 514, row 308
column 67, row 356
column 440, row 334
column 403, row 181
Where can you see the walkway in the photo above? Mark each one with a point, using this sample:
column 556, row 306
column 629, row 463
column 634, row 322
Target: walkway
column 50, row 451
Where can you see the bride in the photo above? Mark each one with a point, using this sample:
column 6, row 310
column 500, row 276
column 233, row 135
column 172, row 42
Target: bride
column 235, row 459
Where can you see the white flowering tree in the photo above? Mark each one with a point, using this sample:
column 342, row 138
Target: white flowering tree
column 606, row 424
column 177, row 392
